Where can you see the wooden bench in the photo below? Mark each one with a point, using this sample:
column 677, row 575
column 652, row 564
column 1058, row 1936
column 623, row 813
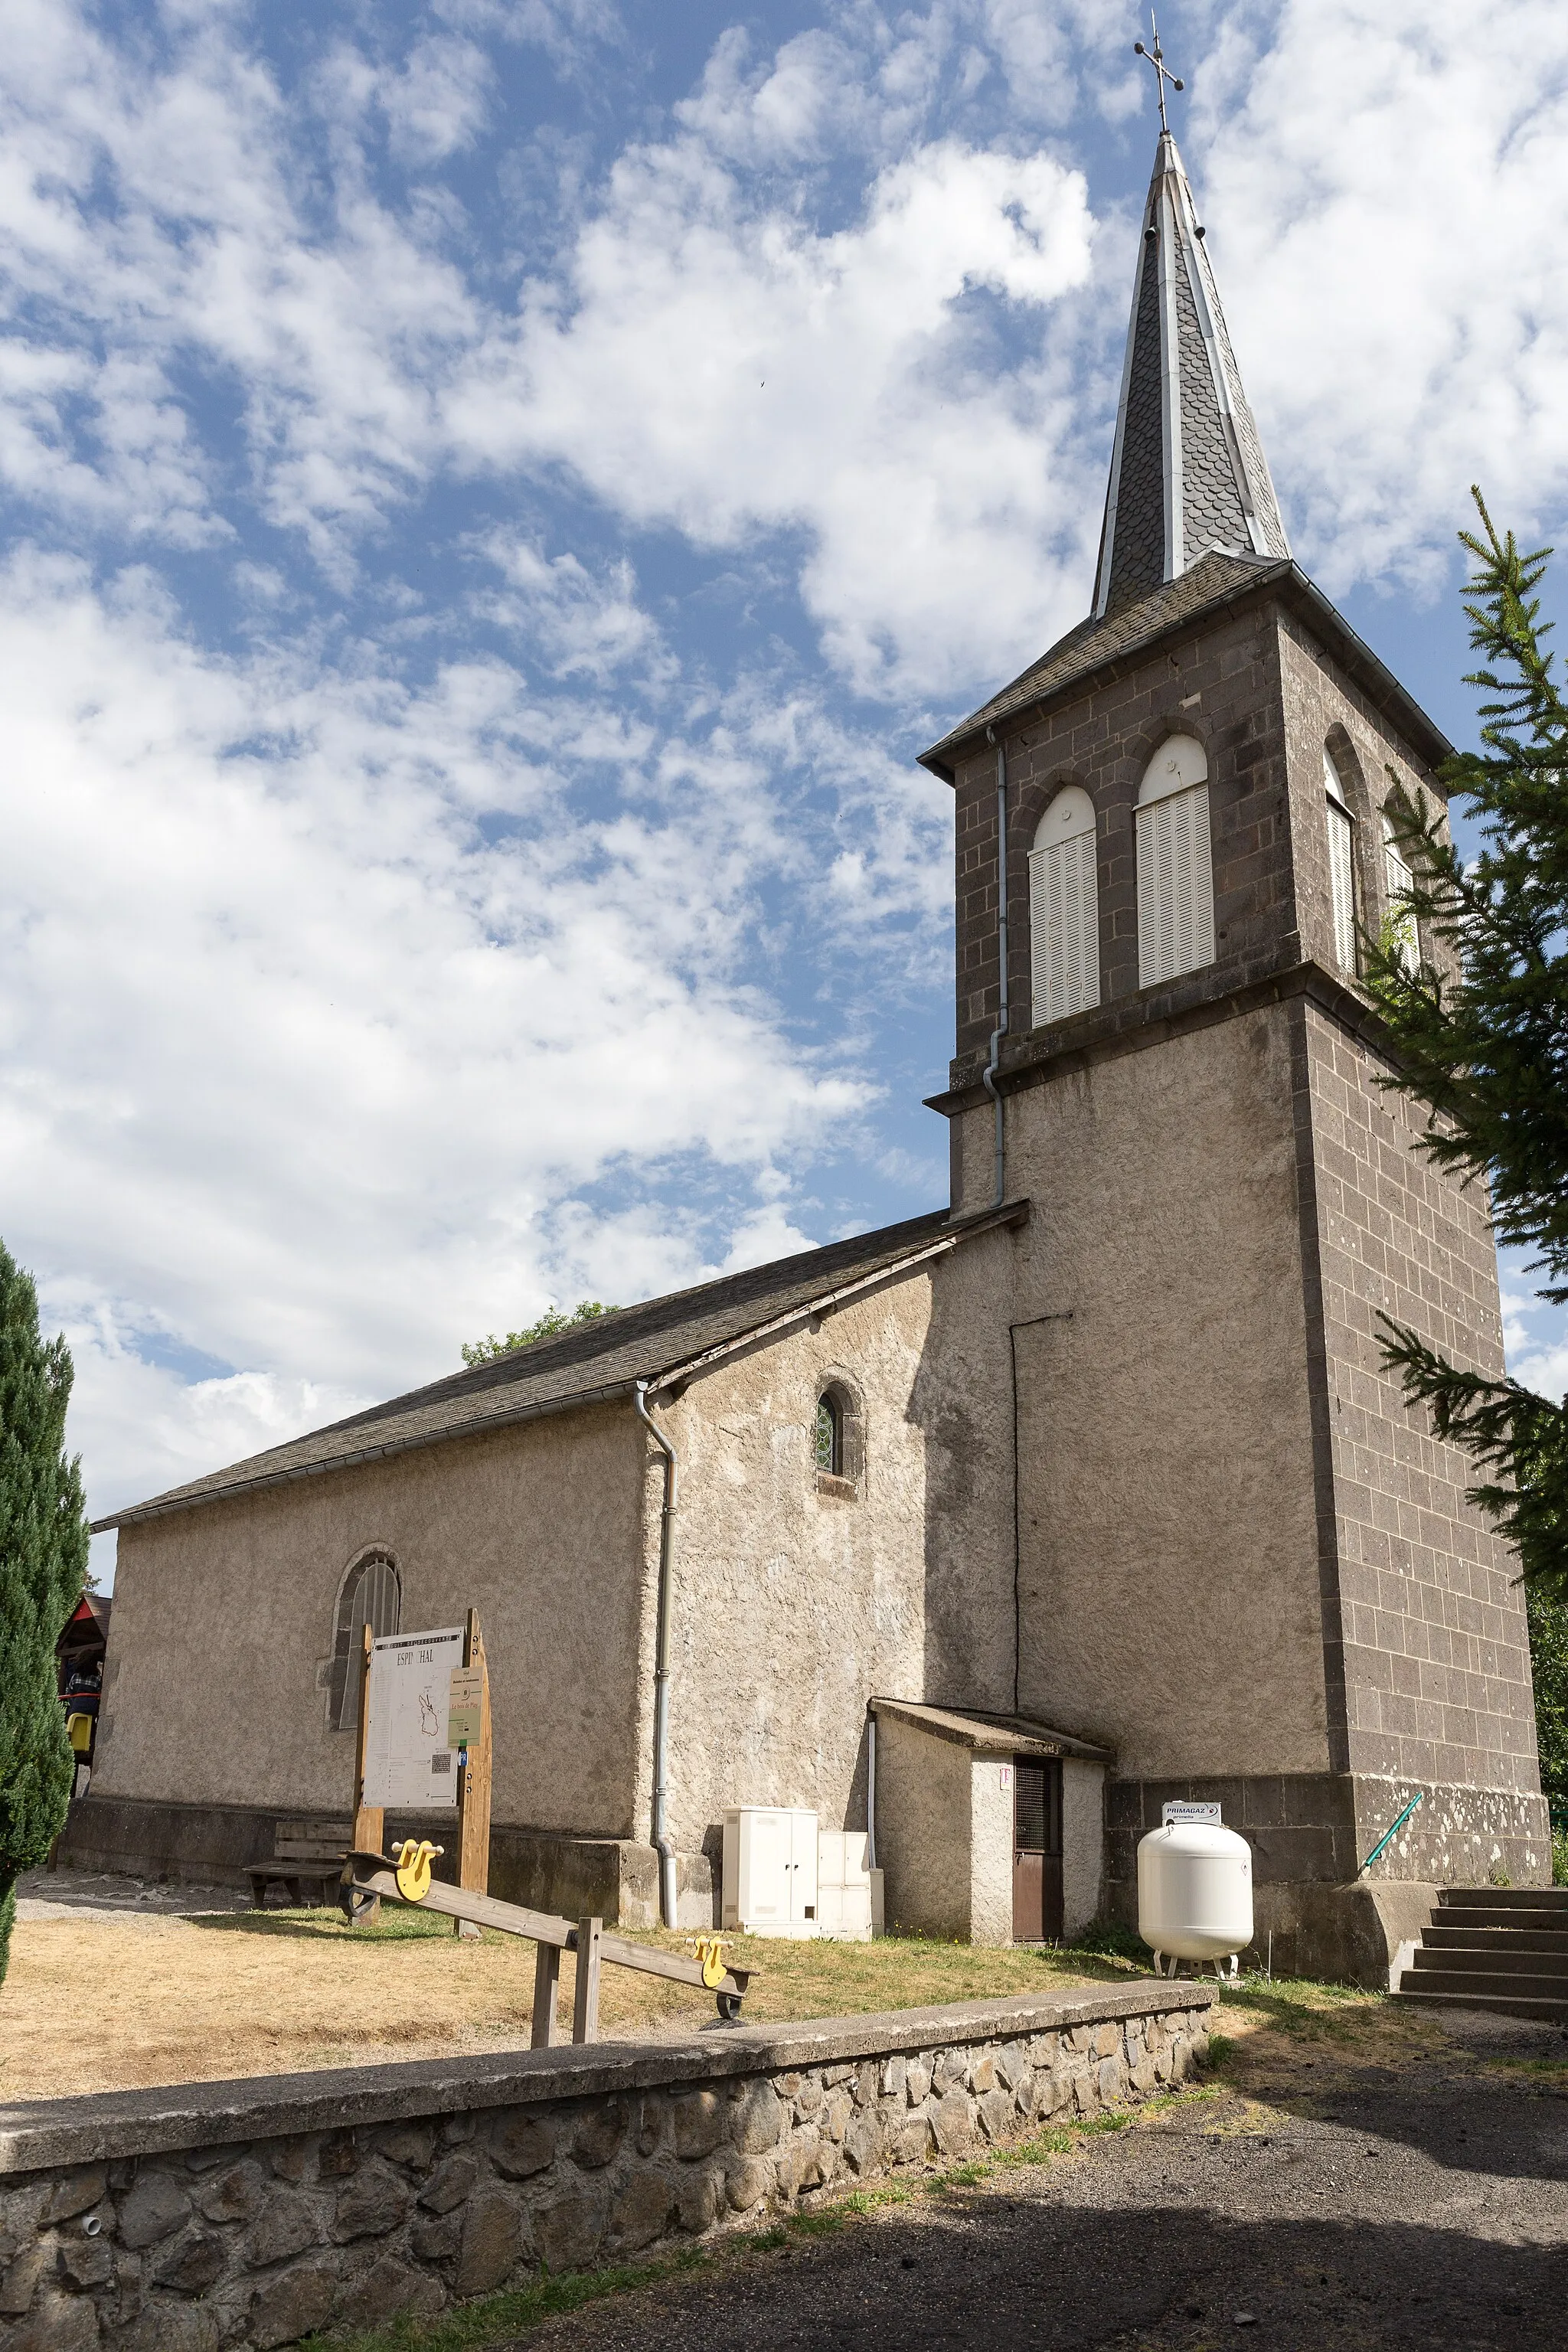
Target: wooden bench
column 307, row 1860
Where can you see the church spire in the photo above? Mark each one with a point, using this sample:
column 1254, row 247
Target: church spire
column 1187, row 469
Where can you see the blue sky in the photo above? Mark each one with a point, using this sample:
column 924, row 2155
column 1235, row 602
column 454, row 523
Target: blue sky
column 495, row 495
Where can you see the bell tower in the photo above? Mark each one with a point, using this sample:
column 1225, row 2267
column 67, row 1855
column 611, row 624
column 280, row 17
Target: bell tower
column 1242, row 1564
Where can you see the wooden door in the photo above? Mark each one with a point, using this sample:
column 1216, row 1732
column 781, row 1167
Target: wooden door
column 1036, row 1849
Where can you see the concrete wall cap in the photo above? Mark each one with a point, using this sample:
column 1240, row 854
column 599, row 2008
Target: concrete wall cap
column 98, row 2127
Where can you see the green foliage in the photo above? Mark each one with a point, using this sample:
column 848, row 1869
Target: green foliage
column 43, row 1562
column 1486, row 1051
column 1113, row 1939
column 486, row 1350
column 1549, row 1665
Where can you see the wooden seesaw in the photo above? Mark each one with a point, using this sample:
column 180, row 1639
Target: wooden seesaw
column 406, row 1879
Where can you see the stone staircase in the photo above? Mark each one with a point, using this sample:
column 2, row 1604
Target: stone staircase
column 1496, row 1947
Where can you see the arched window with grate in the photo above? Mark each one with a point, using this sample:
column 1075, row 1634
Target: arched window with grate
column 1341, row 865
column 840, row 1443
column 1064, row 910
column 371, row 1595
column 1175, row 862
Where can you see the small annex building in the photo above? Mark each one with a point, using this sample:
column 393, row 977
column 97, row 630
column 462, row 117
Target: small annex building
column 1085, row 1490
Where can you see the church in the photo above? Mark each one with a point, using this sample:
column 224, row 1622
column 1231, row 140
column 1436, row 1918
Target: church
column 992, row 1530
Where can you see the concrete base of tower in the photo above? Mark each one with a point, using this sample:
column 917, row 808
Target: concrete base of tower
column 1311, row 1833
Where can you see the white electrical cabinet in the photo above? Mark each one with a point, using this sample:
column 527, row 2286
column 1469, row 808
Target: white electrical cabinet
column 849, row 1895
column 770, row 1871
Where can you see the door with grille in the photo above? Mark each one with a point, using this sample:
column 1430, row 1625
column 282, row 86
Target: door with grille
column 1036, row 1849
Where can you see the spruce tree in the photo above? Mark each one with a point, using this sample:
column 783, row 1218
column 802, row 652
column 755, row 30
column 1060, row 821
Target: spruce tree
column 43, row 1566
column 1486, row 1051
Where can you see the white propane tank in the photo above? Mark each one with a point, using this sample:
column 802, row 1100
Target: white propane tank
column 1195, row 1890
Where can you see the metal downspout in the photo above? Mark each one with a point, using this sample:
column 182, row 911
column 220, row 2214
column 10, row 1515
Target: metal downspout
column 988, row 1078
column 871, row 1792
column 664, row 1844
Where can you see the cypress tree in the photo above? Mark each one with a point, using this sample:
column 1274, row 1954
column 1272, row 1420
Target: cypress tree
column 1486, row 1051
column 43, row 1566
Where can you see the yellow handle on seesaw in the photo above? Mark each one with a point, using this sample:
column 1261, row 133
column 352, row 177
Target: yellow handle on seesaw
column 710, row 1961
column 412, row 1863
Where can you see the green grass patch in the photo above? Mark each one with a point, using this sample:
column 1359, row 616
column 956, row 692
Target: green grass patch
column 1222, row 2046
column 1112, row 1939
column 1109, row 2119
column 396, row 1922
column 496, row 2316
column 1039, row 2150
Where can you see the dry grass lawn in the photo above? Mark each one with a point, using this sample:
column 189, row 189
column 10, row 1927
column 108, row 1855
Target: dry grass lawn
column 113, row 2003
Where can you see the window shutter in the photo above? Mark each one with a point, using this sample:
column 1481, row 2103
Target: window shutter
column 1175, row 886
column 1064, row 929
column 1397, row 878
column 1342, row 880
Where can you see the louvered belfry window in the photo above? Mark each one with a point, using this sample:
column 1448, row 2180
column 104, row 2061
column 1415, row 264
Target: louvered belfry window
column 1341, row 867
column 1175, row 864
column 1064, row 910
column 1397, row 878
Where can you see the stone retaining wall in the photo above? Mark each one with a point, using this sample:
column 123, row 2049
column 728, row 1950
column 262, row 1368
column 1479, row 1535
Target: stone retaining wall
column 253, row 2213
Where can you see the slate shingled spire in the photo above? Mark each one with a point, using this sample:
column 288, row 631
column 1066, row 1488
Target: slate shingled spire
column 1188, row 471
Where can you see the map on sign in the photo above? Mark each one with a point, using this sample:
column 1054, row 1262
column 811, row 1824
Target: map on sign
column 1177, row 1810
column 409, row 1759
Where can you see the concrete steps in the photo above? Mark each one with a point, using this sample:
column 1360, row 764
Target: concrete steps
column 1494, row 1947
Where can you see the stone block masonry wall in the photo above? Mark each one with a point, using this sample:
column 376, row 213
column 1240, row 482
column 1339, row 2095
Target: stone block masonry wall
column 253, row 2213
column 1219, row 681
column 1434, row 1655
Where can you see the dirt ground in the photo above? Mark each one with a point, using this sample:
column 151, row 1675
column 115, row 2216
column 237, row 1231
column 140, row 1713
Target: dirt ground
column 114, row 1986
column 1352, row 2177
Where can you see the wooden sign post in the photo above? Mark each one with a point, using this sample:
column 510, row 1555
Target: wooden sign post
column 424, row 1705
column 370, row 1821
column 469, row 1726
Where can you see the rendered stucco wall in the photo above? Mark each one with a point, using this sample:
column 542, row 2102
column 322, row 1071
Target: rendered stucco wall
column 1083, row 1844
column 224, row 1622
column 990, row 1849
column 1168, row 1539
column 923, row 1831
column 793, row 1606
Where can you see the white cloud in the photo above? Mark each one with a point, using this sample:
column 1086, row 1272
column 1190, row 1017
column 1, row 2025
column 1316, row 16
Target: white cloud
column 366, row 990
column 1381, row 182
column 299, row 1053
column 725, row 367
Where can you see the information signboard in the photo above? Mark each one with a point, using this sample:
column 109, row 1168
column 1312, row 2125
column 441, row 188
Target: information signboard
column 409, row 1763
column 465, row 1707
column 1178, row 1810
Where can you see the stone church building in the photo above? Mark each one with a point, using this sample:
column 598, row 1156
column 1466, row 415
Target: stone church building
column 1082, row 1491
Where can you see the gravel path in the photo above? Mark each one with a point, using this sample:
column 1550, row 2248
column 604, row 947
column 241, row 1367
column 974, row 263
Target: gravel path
column 1364, row 2206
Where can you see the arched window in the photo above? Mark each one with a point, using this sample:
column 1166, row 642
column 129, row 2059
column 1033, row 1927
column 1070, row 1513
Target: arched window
column 1064, row 910
column 1403, row 936
column 830, row 1435
column 1341, row 865
column 840, row 1441
column 370, row 1595
column 1175, row 864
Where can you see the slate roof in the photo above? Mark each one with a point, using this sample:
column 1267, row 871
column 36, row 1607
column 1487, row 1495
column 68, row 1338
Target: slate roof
column 996, row 1735
column 591, row 1362
column 1125, row 636
column 1191, row 515
column 1092, row 643
column 1188, row 468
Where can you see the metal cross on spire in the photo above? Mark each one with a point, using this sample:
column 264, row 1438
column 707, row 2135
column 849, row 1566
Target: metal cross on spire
column 1162, row 73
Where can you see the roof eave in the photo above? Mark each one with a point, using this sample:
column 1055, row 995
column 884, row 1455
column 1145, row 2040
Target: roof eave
column 681, row 1368
column 1287, row 578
